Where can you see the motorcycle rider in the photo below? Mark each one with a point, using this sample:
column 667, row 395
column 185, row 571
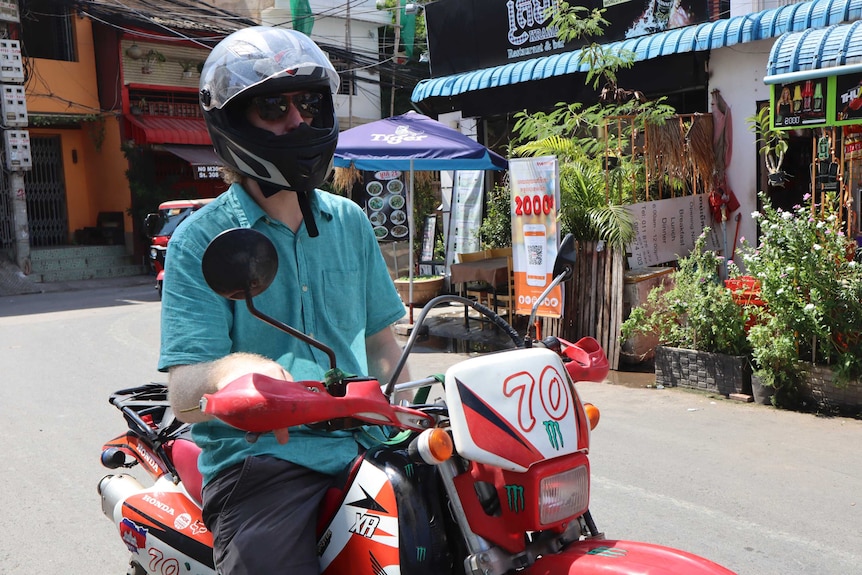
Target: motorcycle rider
column 267, row 98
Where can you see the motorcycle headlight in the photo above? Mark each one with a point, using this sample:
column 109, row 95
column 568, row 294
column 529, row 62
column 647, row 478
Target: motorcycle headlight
column 564, row 494
column 154, row 253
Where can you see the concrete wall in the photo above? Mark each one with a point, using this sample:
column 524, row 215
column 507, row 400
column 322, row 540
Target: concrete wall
column 737, row 72
column 331, row 28
column 364, row 106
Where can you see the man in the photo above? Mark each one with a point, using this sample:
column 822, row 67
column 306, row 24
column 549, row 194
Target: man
column 267, row 97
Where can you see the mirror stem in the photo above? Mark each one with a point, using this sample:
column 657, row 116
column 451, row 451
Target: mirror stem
column 564, row 275
column 289, row 330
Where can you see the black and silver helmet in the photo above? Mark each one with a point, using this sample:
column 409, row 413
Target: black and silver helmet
column 260, row 61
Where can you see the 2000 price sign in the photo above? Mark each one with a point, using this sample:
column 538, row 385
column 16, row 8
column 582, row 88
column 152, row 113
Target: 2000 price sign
column 535, row 204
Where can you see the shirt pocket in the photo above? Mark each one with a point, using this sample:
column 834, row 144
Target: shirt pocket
column 344, row 299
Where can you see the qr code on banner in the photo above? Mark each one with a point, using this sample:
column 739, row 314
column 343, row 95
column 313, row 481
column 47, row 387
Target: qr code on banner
column 534, row 255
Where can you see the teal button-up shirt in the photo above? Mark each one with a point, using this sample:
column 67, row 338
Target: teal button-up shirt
column 334, row 287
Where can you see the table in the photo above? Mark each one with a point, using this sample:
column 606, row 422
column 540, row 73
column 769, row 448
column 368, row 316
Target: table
column 492, row 271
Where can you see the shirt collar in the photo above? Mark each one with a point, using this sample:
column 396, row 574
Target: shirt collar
column 253, row 212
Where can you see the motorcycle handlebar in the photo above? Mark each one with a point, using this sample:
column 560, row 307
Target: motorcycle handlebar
column 258, row 403
column 484, row 310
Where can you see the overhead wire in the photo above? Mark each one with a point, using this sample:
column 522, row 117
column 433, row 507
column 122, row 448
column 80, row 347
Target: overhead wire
column 359, row 59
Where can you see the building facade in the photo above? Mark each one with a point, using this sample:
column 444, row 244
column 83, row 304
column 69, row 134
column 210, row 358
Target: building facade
column 688, row 63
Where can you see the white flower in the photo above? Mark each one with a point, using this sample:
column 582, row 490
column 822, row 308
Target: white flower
column 786, row 216
column 779, row 291
column 809, row 307
column 820, row 225
column 817, row 247
column 755, row 215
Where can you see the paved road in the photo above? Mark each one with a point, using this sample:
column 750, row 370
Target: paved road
column 761, row 491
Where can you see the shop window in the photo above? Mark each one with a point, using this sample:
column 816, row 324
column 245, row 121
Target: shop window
column 47, row 31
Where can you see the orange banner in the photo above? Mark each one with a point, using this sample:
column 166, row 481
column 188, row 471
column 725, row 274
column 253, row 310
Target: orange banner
column 535, row 199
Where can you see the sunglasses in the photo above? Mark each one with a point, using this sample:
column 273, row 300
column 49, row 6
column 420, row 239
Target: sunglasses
column 272, row 108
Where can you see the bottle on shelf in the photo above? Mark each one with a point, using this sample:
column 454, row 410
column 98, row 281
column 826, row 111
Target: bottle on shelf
column 807, row 96
column 817, row 104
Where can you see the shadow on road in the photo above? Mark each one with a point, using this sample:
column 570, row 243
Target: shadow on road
column 78, row 295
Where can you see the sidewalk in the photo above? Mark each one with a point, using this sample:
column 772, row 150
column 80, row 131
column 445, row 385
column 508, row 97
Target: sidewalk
column 14, row 282
column 449, row 341
column 446, row 342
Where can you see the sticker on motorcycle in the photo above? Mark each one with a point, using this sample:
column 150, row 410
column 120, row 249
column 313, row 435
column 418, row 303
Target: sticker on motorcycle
column 513, row 409
column 182, row 521
column 134, row 536
column 365, row 526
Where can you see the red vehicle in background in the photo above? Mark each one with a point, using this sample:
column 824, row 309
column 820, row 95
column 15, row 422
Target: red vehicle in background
column 161, row 225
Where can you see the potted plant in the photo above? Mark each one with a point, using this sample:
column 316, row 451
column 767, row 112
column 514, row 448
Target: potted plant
column 808, row 329
column 134, row 52
column 150, row 58
column 699, row 327
column 425, row 288
column 188, row 66
column 773, row 145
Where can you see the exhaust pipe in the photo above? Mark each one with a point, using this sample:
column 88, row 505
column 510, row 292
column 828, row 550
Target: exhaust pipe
column 114, row 489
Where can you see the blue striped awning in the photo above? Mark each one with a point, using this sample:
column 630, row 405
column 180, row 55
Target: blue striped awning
column 762, row 25
column 815, row 53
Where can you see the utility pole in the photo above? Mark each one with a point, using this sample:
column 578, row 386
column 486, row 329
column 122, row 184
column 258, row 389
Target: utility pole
column 351, row 80
column 395, row 54
column 16, row 145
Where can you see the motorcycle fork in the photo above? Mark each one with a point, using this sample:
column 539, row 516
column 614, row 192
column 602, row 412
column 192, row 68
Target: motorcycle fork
column 483, row 558
column 475, row 544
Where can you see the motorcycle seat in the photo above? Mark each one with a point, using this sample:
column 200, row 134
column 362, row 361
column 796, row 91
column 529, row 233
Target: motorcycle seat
column 185, row 453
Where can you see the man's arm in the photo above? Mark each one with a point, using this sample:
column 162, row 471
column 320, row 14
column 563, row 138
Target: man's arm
column 383, row 355
column 188, row 383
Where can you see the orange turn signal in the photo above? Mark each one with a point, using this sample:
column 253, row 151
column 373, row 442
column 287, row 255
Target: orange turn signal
column 435, row 446
column 592, row 414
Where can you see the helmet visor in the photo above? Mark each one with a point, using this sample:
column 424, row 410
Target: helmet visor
column 261, row 60
column 275, row 107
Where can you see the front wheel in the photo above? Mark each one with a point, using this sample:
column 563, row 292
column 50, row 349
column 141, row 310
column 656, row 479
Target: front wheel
column 159, row 288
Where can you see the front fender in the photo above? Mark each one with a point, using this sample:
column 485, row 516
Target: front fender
column 608, row 557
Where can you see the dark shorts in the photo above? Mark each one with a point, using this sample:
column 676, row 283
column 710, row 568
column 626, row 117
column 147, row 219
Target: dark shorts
column 263, row 517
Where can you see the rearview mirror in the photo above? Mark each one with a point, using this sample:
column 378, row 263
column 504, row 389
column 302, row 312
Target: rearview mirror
column 566, row 257
column 239, row 263
column 150, row 223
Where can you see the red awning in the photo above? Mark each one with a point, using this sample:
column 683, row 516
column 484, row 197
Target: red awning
column 164, row 130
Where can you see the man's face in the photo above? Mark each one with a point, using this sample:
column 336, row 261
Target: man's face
column 283, row 113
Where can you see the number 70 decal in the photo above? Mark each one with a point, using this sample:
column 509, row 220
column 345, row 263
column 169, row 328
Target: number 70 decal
column 553, row 392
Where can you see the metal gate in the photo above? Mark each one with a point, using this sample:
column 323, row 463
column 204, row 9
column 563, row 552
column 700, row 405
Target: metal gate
column 46, row 194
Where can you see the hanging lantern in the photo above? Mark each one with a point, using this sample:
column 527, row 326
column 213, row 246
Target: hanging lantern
column 134, row 52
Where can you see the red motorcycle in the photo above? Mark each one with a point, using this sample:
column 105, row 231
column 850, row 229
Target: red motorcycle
column 159, row 228
column 493, row 479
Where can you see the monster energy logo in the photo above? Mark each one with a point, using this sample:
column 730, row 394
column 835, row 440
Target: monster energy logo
column 515, row 496
column 607, row 552
column 420, row 554
column 408, row 470
column 555, row 436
